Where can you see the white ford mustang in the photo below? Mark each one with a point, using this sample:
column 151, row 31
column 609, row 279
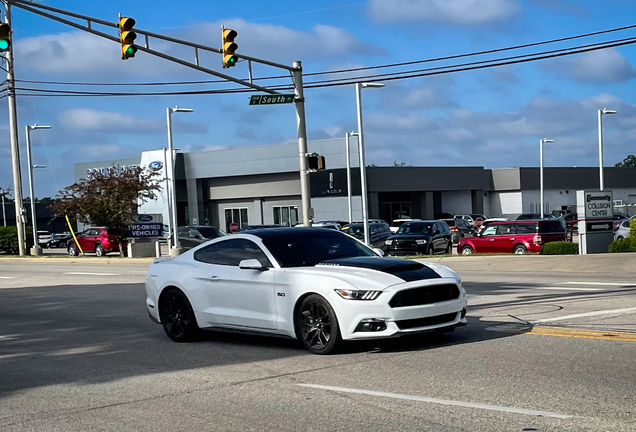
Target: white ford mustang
column 317, row 285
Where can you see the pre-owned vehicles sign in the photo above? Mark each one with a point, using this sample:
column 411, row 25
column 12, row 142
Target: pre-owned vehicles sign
column 145, row 230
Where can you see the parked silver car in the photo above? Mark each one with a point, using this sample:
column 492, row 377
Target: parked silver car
column 623, row 229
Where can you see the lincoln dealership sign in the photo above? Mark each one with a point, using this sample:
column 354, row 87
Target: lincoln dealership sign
column 109, row 171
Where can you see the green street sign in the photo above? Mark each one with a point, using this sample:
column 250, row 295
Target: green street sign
column 272, row 99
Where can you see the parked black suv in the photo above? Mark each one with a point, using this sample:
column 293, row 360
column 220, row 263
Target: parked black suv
column 193, row 236
column 420, row 238
column 378, row 233
column 459, row 228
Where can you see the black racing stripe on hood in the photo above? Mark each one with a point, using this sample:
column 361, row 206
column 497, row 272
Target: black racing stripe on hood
column 406, row 270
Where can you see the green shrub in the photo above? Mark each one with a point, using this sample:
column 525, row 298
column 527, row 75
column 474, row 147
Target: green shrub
column 9, row 240
column 632, row 228
column 559, row 248
column 625, row 245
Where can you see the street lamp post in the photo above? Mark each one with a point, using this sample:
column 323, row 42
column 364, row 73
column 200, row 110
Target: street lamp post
column 541, row 142
column 176, row 247
column 363, row 169
column 36, row 249
column 600, row 143
column 349, row 192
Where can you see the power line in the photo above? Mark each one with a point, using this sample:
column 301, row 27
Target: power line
column 347, row 81
column 351, row 69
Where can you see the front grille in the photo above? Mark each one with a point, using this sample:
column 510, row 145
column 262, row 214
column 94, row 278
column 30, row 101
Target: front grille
column 424, row 295
column 426, row 322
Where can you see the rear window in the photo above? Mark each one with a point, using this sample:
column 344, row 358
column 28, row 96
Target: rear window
column 450, row 222
column 396, row 224
column 550, row 226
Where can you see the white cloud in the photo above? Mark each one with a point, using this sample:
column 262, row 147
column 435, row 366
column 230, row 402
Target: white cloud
column 602, row 66
column 454, row 12
column 84, row 119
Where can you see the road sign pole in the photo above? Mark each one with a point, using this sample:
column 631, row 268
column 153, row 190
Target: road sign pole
column 305, row 190
column 15, row 148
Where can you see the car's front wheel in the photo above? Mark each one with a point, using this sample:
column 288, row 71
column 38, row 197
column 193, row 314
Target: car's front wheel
column 99, row 250
column 177, row 316
column 467, row 250
column 317, row 325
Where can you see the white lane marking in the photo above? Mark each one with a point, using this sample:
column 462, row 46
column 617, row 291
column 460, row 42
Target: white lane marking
column 92, row 274
column 553, row 288
column 7, row 277
column 597, row 283
column 440, row 401
column 588, row 314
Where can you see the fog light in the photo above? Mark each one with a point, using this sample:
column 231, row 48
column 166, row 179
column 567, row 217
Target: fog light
column 371, row 325
column 463, row 312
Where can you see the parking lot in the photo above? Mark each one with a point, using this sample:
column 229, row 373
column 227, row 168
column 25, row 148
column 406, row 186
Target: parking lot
column 548, row 350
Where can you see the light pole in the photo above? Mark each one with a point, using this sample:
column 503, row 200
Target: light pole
column 363, row 169
column 349, row 192
column 36, row 249
column 176, row 247
column 541, row 142
column 600, row 143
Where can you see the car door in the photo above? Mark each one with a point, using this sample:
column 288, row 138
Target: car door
column 184, row 238
column 241, row 298
column 374, row 236
column 505, row 238
column 87, row 240
column 485, row 242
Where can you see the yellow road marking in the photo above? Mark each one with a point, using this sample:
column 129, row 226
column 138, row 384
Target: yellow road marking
column 566, row 332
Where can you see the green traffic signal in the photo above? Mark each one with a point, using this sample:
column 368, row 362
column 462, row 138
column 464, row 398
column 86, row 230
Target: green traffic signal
column 131, row 50
column 5, row 37
column 4, row 44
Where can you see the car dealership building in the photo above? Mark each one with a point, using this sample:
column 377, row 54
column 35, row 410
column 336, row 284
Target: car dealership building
column 261, row 185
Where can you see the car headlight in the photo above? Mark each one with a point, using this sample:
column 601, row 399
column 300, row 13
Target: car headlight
column 421, row 242
column 388, row 242
column 358, row 294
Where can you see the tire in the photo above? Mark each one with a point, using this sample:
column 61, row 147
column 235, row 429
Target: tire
column 467, row 250
column 317, row 326
column 449, row 248
column 177, row 316
column 72, row 250
column 520, row 250
column 619, row 238
column 99, row 250
column 430, row 250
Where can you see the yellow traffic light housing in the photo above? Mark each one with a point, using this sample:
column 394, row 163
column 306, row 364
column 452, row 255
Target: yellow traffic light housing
column 229, row 47
column 316, row 162
column 5, row 37
column 127, row 37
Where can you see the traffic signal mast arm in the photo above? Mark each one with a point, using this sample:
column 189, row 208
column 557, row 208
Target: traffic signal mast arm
column 34, row 8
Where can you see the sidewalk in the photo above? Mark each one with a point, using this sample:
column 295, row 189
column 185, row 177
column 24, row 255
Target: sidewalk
column 615, row 264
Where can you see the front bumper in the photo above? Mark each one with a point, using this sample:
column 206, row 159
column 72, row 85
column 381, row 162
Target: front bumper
column 399, row 320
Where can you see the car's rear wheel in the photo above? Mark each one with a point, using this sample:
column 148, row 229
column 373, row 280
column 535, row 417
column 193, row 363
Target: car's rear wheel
column 317, row 325
column 72, row 250
column 520, row 250
column 467, row 250
column 620, row 238
column 177, row 316
column 99, row 250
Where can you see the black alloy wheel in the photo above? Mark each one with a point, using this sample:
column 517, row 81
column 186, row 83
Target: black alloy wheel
column 177, row 317
column 317, row 325
column 99, row 250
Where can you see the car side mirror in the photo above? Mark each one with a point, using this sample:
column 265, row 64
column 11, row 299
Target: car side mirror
column 378, row 251
column 251, row 264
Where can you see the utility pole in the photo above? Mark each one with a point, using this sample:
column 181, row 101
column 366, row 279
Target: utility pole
column 305, row 189
column 15, row 148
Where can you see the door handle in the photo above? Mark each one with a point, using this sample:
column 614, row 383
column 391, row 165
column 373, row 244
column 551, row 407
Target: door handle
column 512, row 239
column 214, row 278
column 492, row 240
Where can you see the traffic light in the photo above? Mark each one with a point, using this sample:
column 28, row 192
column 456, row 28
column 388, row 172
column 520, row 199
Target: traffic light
column 229, row 47
column 5, row 37
column 315, row 162
column 126, row 37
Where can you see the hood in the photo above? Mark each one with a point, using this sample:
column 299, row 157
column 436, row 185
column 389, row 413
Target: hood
column 410, row 236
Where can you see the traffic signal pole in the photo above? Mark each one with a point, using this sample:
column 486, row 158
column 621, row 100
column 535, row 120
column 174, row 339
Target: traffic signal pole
column 305, row 189
column 15, row 147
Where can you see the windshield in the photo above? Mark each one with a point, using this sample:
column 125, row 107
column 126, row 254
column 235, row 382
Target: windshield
column 310, row 248
column 209, row 232
column 356, row 230
column 416, row 228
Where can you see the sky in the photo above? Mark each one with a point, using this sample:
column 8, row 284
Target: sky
column 492, row 117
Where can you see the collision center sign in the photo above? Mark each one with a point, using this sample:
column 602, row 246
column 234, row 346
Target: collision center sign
column 599, row 205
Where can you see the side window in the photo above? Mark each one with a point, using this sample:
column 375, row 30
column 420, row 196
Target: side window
column 490, row 231
column 231, row 253
column 526, row 228
column 195, row 234
column 506, row 229
column 184, row 233
column 373, row 230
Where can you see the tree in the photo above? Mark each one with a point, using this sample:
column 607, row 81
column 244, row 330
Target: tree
column 628, row 162
column 108, row 199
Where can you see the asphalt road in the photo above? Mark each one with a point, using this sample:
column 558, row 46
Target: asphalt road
column 542, row 352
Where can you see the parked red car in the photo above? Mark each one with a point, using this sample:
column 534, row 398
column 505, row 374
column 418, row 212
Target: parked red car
column 95, row 240
column 519, row 237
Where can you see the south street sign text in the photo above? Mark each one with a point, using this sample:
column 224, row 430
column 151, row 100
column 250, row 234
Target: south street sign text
column 272, row 99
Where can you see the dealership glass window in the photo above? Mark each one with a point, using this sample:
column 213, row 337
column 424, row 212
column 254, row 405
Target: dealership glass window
column 238, row 215
column 391, row 211
column 286, row 215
